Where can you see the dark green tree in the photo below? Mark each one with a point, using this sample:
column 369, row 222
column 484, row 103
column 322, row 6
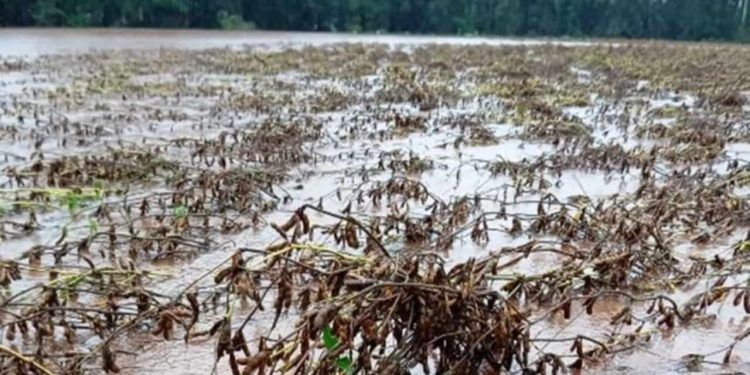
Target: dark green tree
column 671, row 19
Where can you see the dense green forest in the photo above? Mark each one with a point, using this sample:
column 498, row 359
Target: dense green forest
column 671, row 19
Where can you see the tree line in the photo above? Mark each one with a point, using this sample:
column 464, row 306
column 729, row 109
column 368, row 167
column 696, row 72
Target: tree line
column 668, row 19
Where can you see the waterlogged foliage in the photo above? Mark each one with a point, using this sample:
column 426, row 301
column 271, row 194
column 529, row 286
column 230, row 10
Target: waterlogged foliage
column 376, row 209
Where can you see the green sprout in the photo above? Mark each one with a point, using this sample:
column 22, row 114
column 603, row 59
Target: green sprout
column 180, row 212
column 331, row 342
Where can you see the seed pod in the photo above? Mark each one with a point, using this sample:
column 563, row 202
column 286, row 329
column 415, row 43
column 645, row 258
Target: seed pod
column 322, row 292
column 350, row 235
column 290, row 223
column 567, row 309
column 142, row 302
column 23, row 327
column 728, row 355
column 337, row 283
column 10, row 332
column 556, row 367
column 108, row 360
column 369, row 331
column 668, row 320
column 304, row 298
column 144, row 208
column 224, row 341
column 215, row 328
column 541, row 367
column 70, row 335
column 35, row 257
column 323, row 317
column 195, row 313
column 238, row 341
column 660, row 305
column 540, row 208
column 590, row 305
column 257, row 362
column 517, row 227
column 525, row 348
column 577, row 347
column 164, row 326
column 111, row 235
column 397, row 334
column 738, row 298
column 577, row 365
column 305, row 223
column 4, row 277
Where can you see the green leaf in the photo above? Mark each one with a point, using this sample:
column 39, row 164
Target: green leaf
column 345, row 364
column 73, row 201
column 330, row 341
column 180, row 212
column 63, row 294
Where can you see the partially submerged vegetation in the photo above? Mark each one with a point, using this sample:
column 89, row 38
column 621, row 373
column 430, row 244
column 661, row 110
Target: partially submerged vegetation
column 375, row 209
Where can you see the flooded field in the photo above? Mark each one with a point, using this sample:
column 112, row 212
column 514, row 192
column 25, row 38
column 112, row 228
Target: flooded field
column 312, row 203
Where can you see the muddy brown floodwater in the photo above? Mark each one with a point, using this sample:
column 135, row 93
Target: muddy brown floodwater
column 185, row 202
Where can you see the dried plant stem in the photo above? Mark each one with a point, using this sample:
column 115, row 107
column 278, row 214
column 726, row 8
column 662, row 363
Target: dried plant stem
column 25, row 359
